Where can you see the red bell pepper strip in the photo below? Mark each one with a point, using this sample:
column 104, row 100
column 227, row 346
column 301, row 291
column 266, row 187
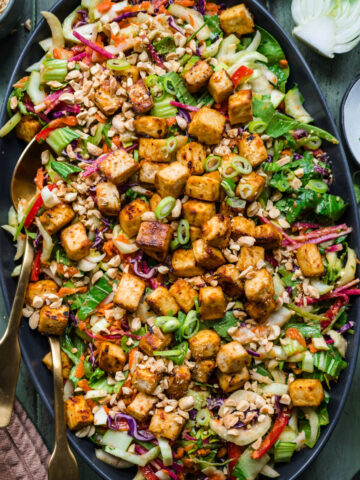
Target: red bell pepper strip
column 234, row 453
column 34, row 277
column 54, row 124
column 273, row 435
column 332, row 312
column 36, row 207
column 148, row 473
column 241, row 74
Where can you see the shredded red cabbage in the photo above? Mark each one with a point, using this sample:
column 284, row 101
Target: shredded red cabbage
column 128, row 15
column 83, row 18
column 30, row 108
column 200, row 6
column 173, row 25
column 93, row 46
column 297, row 156
column 334, row 248
column 184, row 106
column 251, row 352
column 271, row 260
column 78, row 57
column 284, row 234
column 142, row 435
column 300, row 133
column 346, row 327
column 155, row 56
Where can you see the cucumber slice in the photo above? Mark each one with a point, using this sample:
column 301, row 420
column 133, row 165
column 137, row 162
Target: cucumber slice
column 197, row 19
column 120, row 440
column 277, row 97
column 294, row 107
column 247, row 468
column 33, row 89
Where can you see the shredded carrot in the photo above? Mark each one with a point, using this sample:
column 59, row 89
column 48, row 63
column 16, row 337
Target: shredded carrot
column 104, row 6
column 312, row 348
column 62, row 53
column 84, row 384
column 171, row 121
column 179, row 452
column 99, row 119
column 71, row 271
column 64, row 291
column 81, row 326
column 105, row 147
column 118, row 39
column 102, row 308
column 287, row 152
column 124, row 23
column 21, row 83
column 91, row 403
column 116, row 140
column 79, row 370
column 132, row 357
column 189, row 447
column 110, row 249
column 294, row 333
column 39, row 179
column 185, row 3
column 162, row 9
column 192, row 23
column 211, row 8
column 145, row 5
column 284, row 63
column 122, row 239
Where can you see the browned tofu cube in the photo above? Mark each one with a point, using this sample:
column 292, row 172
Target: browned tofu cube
column 144, row 380
column 66, row 363
column 53, row 321
column 250, row 187
column 27, row 128
column 220, row 86
column 179, row 382
column 260, row 310
column 40, row 289
column 205, row 187
column 184, row 264
column 148, row 171
column 171, row 180
column 207, row 125
column 141, row 406
column 250, row 257
column 197, row 212
column 204, row 344
column 197, row 77
column 237, row 19
column 310, row 261
column 232, row 357
column 306, row 392
column 130, row 72
column 229, row 382
column 242, row 227
column 252, row 148
column 55, row 218
column 193, row 156
column 228, row 277
column 130, row 216
column 203, row 370
column 268, row 236
column 195, row 233
column 240, row 107
column 207, row 256
column 167, row 425
column 119, row 166
column 111, row 357
column 212, row 303
column 75, row 241
column 108, row 103
column 108, row 198
column 129, row 292
column 154, row 239
column 162, row 302
column 140, row 97
column 184, row 294
column 154, row 201
column 154, row 150
column 78, row 413
column 150, row 126
column 151, row 342
column 216, row 231
column 260, row 287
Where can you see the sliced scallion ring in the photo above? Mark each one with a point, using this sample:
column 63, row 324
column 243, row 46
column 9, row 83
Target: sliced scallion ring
column 229, row 186
column 183, row 232
column 313, row 143
column 287, row 174
column 170, row 146
column 117, row 64
column 317, row 186
column 203, row 417
column 164, row 207
column 228, row 172
column 169, row 86
column 246, row 191
column 167, row 324
column 212, row 163
column 191, row 325
column 257, row 126
column 236, row 202
column 282, row 184
column 241, row 165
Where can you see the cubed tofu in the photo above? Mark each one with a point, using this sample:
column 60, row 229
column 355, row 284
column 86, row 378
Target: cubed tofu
column 111, row 357
column 216, row 231
column 119, row 166
column 310, row 261
column 129, row 72
column 179, row 382
column 78, row 413
column 40, row 289
column 268, row 236
column 207, row 256
column 229, row 382
column 162, row 302
column 237, row 20
column 184, row 294
column 130, row 216
column 171, row 180
column 140, row 97
column 154, row 150
column 166, row 424
column 130, row 290
column 108, row 198
column 260, row 287
column 141, row 406
column 27, row 128
column 260, row 310
column 240, row 107
column 232, row 357
column 207, row 125
column 148, row 171
column 66, row 363
column 108, row 103
column 228, row 277
column 154, row 341
column 184, row 264
column 154, row 201
column 195, row 233
column 193, row 156
column 212, row 303
column 75, row 241
column 203, row 370
column 306, row 392
column 204, row 344
column 250, row 257
column 197, row 212
column 197, row 77
column 252, row 148
column 250, row 187
column 242, row 227
column 144, row 380
column 154, row 239
column 220, row 86
column 150, row 126
column 204, row 187
column 55, row 218
column 53, row 321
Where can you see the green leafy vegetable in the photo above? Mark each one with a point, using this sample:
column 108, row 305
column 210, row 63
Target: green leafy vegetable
column 213, row 23
column 181, row 92
column 330, row 207
column 263, row 108
column 165, row 45
column 97, row 294
column 293, row 208
column 308, row 330
column 271, row 48
column 64, row 169
column 280, row 124
column 222, row 327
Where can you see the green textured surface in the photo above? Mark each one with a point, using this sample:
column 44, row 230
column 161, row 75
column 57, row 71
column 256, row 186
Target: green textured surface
column 340, row 458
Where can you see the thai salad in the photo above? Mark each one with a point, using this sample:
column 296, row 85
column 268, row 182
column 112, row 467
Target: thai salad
column 189, row 252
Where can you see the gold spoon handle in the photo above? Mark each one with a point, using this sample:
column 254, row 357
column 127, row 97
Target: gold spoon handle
column 9, row 345
column 62, row 464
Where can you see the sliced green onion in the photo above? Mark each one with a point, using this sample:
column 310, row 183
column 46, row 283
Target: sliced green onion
column 212, row 163
column 203, row 417
column 184, row 59
column 287, row 174
column 177, row 355
column 229, row 186
column 313, row 143
column 10, row 124
column 117, row 64
column 228, row 172
column 282, row 185
column 304, row 314
column 55, row 70
column 195, row 33
column 167, row 324
column 246, row 190
column 236, row 202
column 257, row 126
column 241, row 165
column 136, row 155
column 164, row 207
column 174, row 244
column 197, row 307
column 170, row 146
column 317, row 186
column 166, row 451
column 169, row 86
column 191, row 325
column 162, row 107
column 183, row 232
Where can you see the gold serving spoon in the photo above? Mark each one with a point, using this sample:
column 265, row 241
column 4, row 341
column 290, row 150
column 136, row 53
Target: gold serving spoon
column 62, row 463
